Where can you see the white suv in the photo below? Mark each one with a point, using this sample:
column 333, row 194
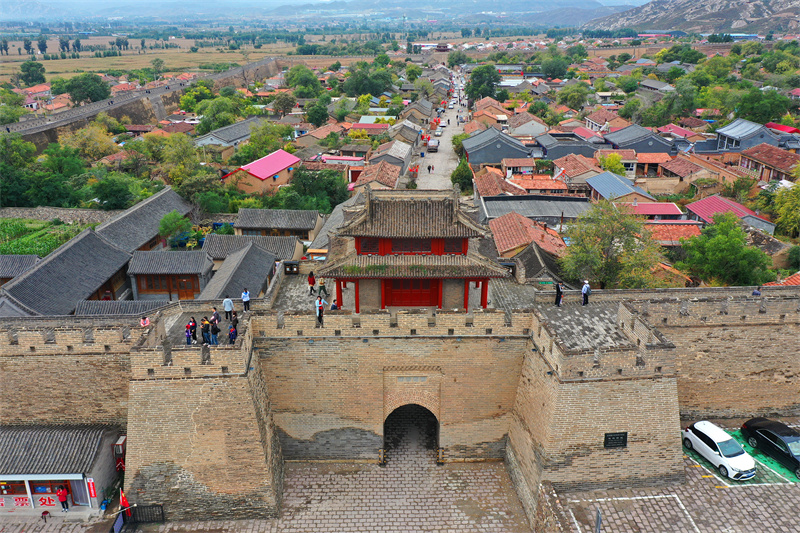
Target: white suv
column 720, row 449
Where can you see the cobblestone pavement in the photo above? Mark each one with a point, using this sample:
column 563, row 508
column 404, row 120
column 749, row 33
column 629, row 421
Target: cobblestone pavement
column 703, row 505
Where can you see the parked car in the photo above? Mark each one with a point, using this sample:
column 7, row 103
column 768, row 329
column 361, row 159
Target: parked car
column 438, row 133
column 775, row 439
column 720, row 449
column 450, row 106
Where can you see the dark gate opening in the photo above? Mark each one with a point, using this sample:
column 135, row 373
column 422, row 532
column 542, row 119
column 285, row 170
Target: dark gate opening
column 411, row 433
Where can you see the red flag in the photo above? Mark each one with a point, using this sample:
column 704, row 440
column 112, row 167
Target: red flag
column 123, row 503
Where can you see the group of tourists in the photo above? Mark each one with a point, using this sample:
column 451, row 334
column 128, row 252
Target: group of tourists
column 210, row 327
column 320, row 303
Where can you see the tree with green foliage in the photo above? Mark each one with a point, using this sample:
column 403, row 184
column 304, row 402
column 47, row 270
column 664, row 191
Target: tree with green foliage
column 720, row 254
column 63, row 161
column 457, row 141
column 284, row 103
column 328, row 186
column 763, row 106
column 218, row 112
column 41, row 44
column 612, row 163
column 787, row 208
column 157, row 65
column 28, row 46
column 92, row 142
column 264, row 139
column 611, row 246
column 173, row 224
column 555, row 67
column 482, row 82
column 364, row 81
column 11, row 106
column 31, row 73
column 457, row 57
column 381, row 60
column 304, row 82
column 87, row 87
column 462, row 176
column 574, row 96
column 413, row 72
column 794, row 257
column 317, row 115
column 113, row 193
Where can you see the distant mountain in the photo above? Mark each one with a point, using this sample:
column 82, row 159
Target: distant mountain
column 707, row 16
column 442, row 8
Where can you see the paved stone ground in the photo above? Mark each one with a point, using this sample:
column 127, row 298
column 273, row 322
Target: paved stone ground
column 445, row 160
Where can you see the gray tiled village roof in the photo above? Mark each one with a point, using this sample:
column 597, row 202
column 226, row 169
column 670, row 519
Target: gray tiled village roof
column 118, row 307
column 334, row 221
column 740, row 129
column 631, row 133
column 136, row 225
column 29, row 450
column 220, row 246
column 533, row 206
column 13, row 265
column 246, row 268
column 234, row 132
column 71, row 273
column 490, row 136
column 276, row 219
column 168, row 262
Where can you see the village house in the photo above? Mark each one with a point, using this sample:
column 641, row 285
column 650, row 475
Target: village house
column 219, row 247
column 303, row 224
column 605, row 120
column 395, row 152
column 539, row 184
column 770, row 163
column 705, row 209
column 12, row 266
column 168, row 275
column 265, row 174
column 490, row 181
column 383, row 175
column 513, row 233
column 410, row 249
column 653, row 210
column 249, row 268
column 232, row 135
column 555, row 211
column 640, row 139
column 574, row 170
column 610, row 186
column 490, row 147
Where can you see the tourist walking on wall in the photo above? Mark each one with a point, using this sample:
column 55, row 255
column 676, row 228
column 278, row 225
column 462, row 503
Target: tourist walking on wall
column 585, row 292
column 335, row 305
column 320, row 308
column 311, row 282
column 188, row 335
column 205, row 329
column 227, row 305
column 61, row 494
column 214, row 316
column 193, row 328
column 232, row 334
column 246, row 300
column 235, row 320
column 214, row 333
column 322, row 287
column 144, row 322
column 559, row 294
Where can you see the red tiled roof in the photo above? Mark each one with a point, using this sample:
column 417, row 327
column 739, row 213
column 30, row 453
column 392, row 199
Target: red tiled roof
column 178, row 127
column 489, row 181
column 792, row 280
column 486, row 102
column 656, row 158
column 513, row 230
column 518, row 162
column 693, row 122
column 538, row 183
column 681, row 167
column 773, row 156
column 781, row 127
column 711, row 205
column 670, row 233
column 584, row 133
column 371, row 128
column 601, row 116
column 384, row 173
column 653, row 208
column 324, row 131
column 576, row 164
column 473, row 126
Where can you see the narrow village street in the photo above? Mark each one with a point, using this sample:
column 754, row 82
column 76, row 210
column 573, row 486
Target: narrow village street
column 445, row 161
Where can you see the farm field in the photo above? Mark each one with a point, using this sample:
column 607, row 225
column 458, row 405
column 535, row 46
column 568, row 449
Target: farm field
column 20, row 236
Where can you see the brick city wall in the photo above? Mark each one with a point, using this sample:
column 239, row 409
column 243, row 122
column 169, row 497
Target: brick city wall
column 736, row 357
column 200, row 436
column 69, row 371
column 330, row 396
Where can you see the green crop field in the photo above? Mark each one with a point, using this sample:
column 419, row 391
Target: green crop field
column 21, row 236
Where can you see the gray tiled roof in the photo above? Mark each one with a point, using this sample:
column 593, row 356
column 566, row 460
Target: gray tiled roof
column 609, row 185
column 533, row 206
column 48, row 450
column 136, row 225
column 168, row 262
column 412, row 266
column 490, row 136
column 71, row 273
column 220, row 246
column 13, row 265
column 631, row 133
column 248, row 268
column 334, row 221
column 234, row 132
column 740, row 129
column 118, row 307
column 584, row 328
column 276, row 219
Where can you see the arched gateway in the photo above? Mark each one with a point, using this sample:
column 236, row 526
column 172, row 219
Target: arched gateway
column 410, row 433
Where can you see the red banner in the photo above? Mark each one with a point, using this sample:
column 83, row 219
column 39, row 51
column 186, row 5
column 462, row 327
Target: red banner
column 92, row 490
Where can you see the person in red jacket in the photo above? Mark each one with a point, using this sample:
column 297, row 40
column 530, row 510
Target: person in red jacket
column 61, row 494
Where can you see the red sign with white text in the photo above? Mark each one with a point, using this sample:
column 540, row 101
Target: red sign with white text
column 92, row 491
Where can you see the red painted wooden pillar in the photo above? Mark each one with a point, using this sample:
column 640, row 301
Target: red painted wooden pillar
column 484, row 293
column 441, row 291
column 358, row 303
column 466, row 294
column 339, row 294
